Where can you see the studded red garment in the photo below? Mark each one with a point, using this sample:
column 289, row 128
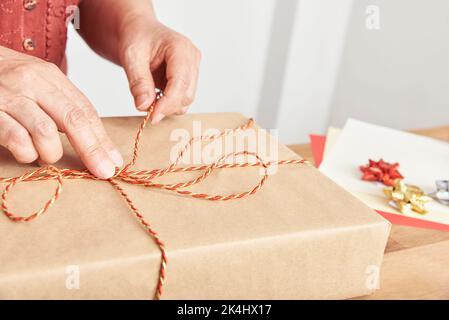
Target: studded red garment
column 36, row 27
column 381, row 171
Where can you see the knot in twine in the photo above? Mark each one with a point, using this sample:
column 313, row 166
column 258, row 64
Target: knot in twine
column 145, row 178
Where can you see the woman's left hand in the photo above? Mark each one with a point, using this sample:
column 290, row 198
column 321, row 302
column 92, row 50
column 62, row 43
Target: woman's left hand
column 156, row 57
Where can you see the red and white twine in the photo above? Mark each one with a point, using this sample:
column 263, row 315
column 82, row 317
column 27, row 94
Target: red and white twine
column 145, row 178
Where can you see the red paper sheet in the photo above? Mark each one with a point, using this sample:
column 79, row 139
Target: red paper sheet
column 318, row 142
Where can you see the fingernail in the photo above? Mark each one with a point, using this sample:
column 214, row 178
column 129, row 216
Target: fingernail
column 143, row 102
column 157, row 118
column 106, row 170
column 116, row 157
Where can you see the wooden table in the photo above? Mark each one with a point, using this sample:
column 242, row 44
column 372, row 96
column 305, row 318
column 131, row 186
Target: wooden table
column 416, row 261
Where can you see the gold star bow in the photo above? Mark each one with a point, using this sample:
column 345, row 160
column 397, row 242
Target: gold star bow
column 406, row 197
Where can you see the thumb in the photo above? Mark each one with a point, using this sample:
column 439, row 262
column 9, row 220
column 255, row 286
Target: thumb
column 141, row 82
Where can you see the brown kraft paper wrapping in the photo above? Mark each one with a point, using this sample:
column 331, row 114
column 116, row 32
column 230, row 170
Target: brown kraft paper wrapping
column 300, row 237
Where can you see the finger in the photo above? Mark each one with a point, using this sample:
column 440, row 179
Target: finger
column 95, row 122
column 16, row 139
column 74, row 122
column 191, row 91
column 171, row 100
column 42, row 128
column 141, row 83
column 179, row 92
column 182, row 111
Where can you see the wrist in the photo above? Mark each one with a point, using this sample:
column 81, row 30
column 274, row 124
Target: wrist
column 134, row 21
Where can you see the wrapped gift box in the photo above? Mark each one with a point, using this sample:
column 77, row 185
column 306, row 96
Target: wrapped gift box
column 299, row 237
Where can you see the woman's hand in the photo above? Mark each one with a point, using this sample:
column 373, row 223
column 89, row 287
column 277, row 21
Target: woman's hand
column 37, row 99
column 155, row 56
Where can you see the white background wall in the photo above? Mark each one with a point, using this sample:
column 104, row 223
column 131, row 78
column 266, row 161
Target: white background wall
column 397, row 75
column 300, row 65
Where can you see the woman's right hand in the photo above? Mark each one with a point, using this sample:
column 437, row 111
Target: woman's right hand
column 37, row 99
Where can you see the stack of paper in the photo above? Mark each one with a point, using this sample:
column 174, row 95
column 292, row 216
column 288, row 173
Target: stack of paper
column 422, row 161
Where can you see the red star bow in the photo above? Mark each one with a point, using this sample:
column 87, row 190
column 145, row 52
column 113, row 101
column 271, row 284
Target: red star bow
column 381, row 171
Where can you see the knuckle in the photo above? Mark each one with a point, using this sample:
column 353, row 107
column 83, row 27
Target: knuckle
column 42, row 65
column 46, row 128
column 91, row 115
column 30, row 70
column 183, row 41
column 25, row 72
column 75, row 118
column 139, row 84
column 184, row 82
column 13, row 102
column 93, row 150
column 131, row 51
column 187, row 44
column 188, row 99
column 16, row 138
column 20, row 101
column 50, row 66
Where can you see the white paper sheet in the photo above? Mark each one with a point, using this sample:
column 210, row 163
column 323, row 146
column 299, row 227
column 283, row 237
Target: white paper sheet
column 422, row 161
column 331, row 138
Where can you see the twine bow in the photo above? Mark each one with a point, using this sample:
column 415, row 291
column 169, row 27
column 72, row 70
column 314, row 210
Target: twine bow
column 145, row 178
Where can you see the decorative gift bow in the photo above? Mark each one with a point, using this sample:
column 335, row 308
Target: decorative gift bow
column 402, row 196
column 406, row 196
column 442, row 192
column 145, row 178
column 381, row 171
